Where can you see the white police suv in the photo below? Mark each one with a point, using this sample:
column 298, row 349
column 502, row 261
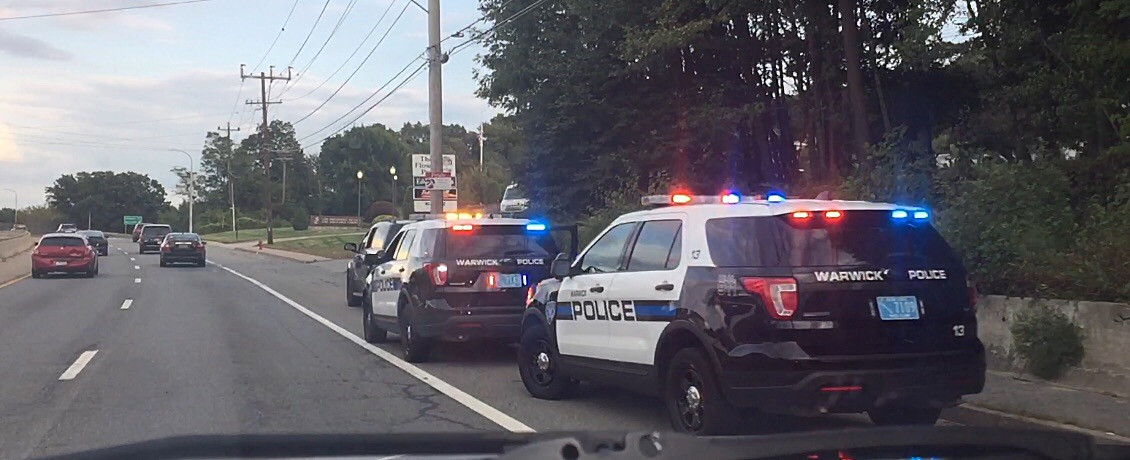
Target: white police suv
column 725, row 303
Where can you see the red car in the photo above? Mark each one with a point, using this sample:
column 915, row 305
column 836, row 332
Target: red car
column 63, row 253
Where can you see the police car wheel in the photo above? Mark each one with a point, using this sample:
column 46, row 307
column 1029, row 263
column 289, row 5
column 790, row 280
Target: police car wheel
column 900, row 415
column 694, row 400
column 416, row 348
column 537, row 364
column 351, row 297
column 373, row 333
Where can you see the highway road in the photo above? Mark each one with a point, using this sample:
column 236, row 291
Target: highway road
column 256, row 344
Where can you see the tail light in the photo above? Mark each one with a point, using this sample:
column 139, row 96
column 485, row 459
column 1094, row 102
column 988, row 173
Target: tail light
column 779, row 295
column 165, row 247
column 492, row 280
column 437, row 272
column 199, row 246
column 529, row 295
column 971, row 288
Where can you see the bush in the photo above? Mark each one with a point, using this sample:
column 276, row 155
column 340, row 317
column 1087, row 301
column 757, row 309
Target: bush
column 1047, row 340
column 300, row 219
column 379, row 208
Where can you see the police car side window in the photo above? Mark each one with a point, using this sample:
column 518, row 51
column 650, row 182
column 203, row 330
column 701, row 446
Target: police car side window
column 652, row 249
column 405, row 245
column 604, row 255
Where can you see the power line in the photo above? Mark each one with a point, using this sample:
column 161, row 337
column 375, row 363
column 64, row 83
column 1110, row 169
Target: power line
column 414, row 74
column 302, row 73
column 239, row 93
column 359, row 66
column 315, row 26
column 354, row 53
column 479, row 36
column 104, row 10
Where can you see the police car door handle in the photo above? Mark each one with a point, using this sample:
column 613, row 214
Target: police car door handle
column 665, row 287
column 596, row 289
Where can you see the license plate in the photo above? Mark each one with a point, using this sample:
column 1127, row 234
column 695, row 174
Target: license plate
column 60, row 263
column 897, row 307
column 511, row 280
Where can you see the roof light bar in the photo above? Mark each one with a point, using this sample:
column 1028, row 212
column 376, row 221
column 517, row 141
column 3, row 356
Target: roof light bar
column 833, row 214
column 535, row 227
column 463, row 227
column 899, row 214
column 921, row 215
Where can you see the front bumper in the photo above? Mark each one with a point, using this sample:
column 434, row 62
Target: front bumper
column 437, row 319
column 47, row 265
column 856, row 384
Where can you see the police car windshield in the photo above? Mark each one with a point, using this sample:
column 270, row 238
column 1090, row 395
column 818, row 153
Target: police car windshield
column 859, row 238
column 498, row 241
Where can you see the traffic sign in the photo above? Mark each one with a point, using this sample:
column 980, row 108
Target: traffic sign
column 438, row 181
column 131, row 220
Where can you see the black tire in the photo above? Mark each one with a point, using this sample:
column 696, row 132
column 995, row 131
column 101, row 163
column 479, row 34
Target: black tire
column 201, row 263
column 537, row 364
column 351, row 299
column 694, row 398
column 89, row 273
column 140, row 249
column 901, row 415
column 372, row 332
column 36, row 274
column 163, row 263
column 417, row 349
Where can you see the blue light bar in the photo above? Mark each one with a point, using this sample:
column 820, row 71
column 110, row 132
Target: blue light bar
column 899, row 214
column 774, row 197
column 921, row 215
column 535, row 227
column 731, row 198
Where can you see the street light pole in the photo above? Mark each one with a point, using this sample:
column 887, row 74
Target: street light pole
column 359, row 176
column 191, row 185
column 392, row 170
column 16, row 208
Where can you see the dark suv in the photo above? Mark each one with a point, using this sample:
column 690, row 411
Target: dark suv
column 377, row 238
column 151, row 237
column 459, row 280
column 97, row 240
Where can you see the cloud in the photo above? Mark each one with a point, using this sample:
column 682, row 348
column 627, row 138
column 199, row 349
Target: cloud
column 29, row 47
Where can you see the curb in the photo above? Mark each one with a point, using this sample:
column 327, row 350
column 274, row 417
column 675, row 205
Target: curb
column 1045, row 422
column 306, row 258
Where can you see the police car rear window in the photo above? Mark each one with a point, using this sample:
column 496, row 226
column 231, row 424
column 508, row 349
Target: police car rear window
column 488, row 241
column 859, row 238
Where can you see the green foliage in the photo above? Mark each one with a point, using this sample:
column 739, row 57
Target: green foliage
column 40, row 219
column 901, row 171
column 372, row 150
column 1047, row 339
column 106, row 196
column 379, row 208
column 300, row 219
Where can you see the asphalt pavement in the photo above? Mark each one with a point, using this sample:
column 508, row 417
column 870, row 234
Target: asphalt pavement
column 254, row 344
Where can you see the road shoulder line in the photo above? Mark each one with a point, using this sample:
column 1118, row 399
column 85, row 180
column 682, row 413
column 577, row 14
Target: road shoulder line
column 460, row 396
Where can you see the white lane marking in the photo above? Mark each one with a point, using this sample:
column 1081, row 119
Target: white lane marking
column 126, row 304
column 78, row 365
column 448, row 389
column 131, row 259
column 137, row 267
column 137, row 281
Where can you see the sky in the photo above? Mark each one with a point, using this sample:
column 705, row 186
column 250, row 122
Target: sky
column 117, row 90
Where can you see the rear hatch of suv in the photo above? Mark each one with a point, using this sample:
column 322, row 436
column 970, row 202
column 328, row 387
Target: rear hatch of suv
column 491, row 265
column 154, row 234
column 847, row 283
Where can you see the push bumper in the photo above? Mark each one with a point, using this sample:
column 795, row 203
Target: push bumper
column 856, row 384
column 438, row 320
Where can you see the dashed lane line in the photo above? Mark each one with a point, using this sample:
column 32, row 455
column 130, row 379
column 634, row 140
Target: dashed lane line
column 448, row 389
column 78, row 365
column 126, row 304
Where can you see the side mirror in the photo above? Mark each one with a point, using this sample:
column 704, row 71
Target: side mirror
column 561, row 266
column 373, row 258
column 351, row 247
column 203, row 243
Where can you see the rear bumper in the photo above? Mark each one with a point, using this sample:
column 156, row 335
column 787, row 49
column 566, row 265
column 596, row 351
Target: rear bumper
column 438, row 320
column 182, row 257
column 149, row 246
column 47, row 265
column 815, row 386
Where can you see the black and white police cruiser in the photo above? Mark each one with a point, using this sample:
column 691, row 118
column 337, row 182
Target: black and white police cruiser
column 726, row 304
column 458, row 278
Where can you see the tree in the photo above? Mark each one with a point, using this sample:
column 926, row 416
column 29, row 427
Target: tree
column 372, row 150
column 7, row 215
column 106, row 196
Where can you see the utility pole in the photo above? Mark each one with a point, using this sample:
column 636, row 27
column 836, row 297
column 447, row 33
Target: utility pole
column 284, row 160
column 265, row 137
column 231, row 185
column 482, row 138
column 435, row 100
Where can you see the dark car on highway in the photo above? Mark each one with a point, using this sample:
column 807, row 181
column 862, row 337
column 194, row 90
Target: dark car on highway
column 151, row 237
column 355, row 272
column 67, row 228
column 67, row 253
column 97, row 239
column 183, row 248
column 137, row 230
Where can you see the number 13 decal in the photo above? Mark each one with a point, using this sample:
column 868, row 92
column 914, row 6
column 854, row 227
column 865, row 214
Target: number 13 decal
column 959, row 331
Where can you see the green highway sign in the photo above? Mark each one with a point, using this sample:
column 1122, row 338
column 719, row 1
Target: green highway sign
column 131, row 220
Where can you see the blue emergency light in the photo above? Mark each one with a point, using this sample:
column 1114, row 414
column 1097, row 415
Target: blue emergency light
column 899, row 214
column 921, row 215
column 775, row 197
column 535, row 227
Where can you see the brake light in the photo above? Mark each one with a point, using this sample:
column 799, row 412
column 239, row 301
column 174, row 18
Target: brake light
column 971, row 288
column 529, row 295
column 802, row 215
column 199, row 246
column 437, row 272
column 492, row 280
column 165, row 247
column 833, row 215
column 680, row 198
column 463, row 227
column 778, row 295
